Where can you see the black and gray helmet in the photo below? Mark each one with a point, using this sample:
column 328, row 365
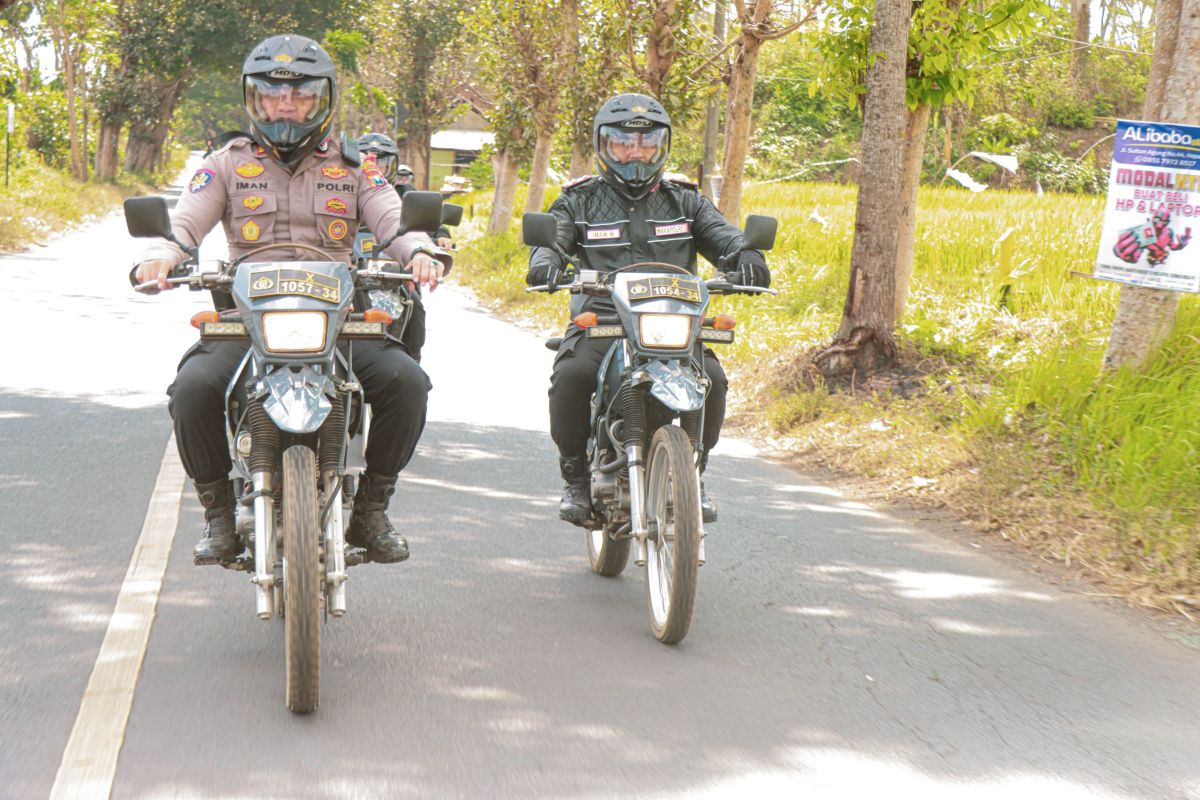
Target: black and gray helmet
column 384, row 149
column 289, row 84
column 632, row 138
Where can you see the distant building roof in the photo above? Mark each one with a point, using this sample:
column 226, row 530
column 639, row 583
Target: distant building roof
column 471, row 141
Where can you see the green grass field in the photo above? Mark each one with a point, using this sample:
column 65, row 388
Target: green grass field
column 1010, row 353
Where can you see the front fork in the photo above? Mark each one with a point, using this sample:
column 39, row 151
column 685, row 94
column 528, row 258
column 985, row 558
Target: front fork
column 335, row 546
column 264, row 544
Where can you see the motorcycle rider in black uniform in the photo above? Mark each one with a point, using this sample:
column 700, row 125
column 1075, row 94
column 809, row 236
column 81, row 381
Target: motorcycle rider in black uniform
column 629, row 214
column 387, row 156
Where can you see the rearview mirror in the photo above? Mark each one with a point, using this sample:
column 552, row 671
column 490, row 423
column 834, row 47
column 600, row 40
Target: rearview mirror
column 451, row 214
column 147, row 217
column 759, row 233
column 539, row 230
column 421, row 211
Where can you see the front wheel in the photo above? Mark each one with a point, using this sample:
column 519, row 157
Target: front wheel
column 673, row 513
column 301, row 579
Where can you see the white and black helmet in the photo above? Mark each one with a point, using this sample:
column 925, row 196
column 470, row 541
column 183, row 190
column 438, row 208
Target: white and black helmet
column 387, row 156
column 632, row 137
column 296, row 71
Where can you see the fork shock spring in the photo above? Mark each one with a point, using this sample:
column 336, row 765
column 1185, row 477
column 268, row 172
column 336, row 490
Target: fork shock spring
column 264, row 439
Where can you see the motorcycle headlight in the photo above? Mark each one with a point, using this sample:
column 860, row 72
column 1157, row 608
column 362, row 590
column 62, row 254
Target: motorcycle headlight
column 294, row 331
column 665, row 331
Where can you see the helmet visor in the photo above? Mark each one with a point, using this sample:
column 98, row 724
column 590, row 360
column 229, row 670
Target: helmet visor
column 387, row 163
column 621, row 146
column 286, row 109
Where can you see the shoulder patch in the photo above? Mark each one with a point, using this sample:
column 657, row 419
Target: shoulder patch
column 571, row 184
column 680, row 180
column 350, row 152
column 231, row 140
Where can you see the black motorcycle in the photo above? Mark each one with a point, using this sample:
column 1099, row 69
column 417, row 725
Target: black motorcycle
column 291, row 409
column 647, row 417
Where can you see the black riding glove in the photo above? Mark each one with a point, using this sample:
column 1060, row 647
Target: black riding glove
column 751, row 270
column 554, row 276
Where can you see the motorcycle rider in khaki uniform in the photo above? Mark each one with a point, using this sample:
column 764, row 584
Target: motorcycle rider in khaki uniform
column 289, row 184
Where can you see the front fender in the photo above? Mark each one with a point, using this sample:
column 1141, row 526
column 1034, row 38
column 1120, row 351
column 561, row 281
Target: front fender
column 297, row 401
column 675, row 384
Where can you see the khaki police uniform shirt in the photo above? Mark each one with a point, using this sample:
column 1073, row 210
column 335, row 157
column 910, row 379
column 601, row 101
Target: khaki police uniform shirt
column 259, row 202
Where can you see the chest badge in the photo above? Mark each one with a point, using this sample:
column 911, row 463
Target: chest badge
column 603, row 233
column 334, row 172
column 253, row 202
column 251, row 231
column 336, row 206
column 338, row 229
column 674, row 229
column 250, row 169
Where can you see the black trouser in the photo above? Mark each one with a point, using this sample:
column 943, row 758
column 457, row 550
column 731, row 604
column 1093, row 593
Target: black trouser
column 574, row 380
column 414, row 332
column 395, row 386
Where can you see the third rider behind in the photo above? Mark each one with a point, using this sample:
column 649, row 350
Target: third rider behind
column 629, row 214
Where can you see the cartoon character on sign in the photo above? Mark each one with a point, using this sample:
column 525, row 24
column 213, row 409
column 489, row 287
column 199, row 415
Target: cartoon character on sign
column 1155, row 237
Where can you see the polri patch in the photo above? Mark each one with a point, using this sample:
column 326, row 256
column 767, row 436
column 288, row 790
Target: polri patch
column 202, row 178
column 338, row 229
column 251, row 231
column 603, row 233
column 253, row 202
column 250, row 169
column 336, row 206
column 674, row 229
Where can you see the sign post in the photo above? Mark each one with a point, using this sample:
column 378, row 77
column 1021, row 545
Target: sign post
column 1153, row 202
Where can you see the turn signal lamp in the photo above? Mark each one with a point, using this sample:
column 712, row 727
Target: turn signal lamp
column 724, row 322
column 203, row 317
column 587, row 319
column 377, row 315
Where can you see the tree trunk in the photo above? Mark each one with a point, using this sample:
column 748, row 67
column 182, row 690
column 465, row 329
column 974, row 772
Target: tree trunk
column 505, row 196
column 106, row 150
column 1144, row 316
column 581, row 161
column 1081, row 14
column 739, row 124
column 145, row 144
column 864, row 343
column 712, row 117
column 660, row 48
column 72, row 115
column 537, row 172
column 910, row 181
column 422, row 158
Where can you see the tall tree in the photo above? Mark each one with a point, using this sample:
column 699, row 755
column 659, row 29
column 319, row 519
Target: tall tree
column 756, row 22
column 865, row 343
column 1145, row 317
column 948, row 40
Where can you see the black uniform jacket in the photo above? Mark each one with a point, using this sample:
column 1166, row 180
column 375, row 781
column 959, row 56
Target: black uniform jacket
column 606, row 231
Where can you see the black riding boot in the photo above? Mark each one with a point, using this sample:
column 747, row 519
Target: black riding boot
column 370, row 527
column 576, row 504
column 220, row 542
column 708, row 506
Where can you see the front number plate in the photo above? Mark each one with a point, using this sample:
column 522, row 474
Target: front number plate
column 679, row 287
column 267, row 283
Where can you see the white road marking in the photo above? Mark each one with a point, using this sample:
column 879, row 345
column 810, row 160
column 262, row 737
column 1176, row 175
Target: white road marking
column 89, row 761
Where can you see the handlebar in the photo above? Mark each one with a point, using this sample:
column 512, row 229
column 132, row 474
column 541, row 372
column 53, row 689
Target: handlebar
column 714, row 285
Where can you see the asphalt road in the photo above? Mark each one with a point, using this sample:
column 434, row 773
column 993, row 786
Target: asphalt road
column 835, row 651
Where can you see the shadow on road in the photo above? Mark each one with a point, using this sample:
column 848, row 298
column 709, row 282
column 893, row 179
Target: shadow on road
column 832, row 650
